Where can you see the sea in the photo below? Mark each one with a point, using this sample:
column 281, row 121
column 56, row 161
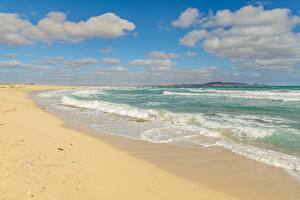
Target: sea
column 258, row 122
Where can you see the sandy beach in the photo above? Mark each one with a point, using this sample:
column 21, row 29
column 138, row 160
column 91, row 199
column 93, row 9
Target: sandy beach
column 42, row 157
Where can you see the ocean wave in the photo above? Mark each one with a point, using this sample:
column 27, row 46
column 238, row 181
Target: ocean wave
column 119, row 109
column 269, row 157
column 88, row 92
column 183, row 93
column 217, row 129
column 266, row 156
column 240, row 126
column 155, row 103
column 275, row 95
column 54, row 93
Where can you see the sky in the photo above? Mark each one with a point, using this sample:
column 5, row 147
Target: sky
column 149, row 42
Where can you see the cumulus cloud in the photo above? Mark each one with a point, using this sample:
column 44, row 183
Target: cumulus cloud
column 153, row 62
column 19, row 64
column 162, row 68
column 205, row 71
column 157, row 71
column 185, row 74
column 252, row 37
column 162, row 55
column 15, row 30
column 187, row 18
column 11, row 63
column 119, row 69
column 61, row 61
column 159, row 61
column 191, row 38
column 191, row 53
column 197, row 74
column 158, row 75
column 81, row 62
column 50, row 60
column 111, row 61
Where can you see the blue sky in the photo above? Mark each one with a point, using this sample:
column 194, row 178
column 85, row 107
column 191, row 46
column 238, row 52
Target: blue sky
column 150, row 42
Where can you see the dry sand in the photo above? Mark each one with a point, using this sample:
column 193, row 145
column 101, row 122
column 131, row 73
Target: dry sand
column 42, row 159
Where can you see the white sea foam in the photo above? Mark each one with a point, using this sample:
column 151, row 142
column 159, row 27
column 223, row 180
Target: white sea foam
column 164, row 134
column 266, row 156
column 45, row 94
column 276, row 95
column 269, row 157
column 88, row 92
column 174, row 133
column 183, row 93
column 112, row 108
column 241, row 126
column 53, row 93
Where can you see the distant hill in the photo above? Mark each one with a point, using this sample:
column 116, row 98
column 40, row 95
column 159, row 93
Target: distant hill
column 219, row 83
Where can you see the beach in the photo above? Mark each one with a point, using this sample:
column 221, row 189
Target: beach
column 43, row 157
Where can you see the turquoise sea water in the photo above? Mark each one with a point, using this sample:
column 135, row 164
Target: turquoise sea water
column 262, row 123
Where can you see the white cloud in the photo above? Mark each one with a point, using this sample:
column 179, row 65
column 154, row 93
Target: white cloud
column 50, row 60
column 204, row 70
column 162, row 68
column 119, row 69
column 187, row 18
column 160, row 61
column 252, row 37
column 81, row 62
column 162, row 55
column 18, row 64
column 153, row 62
column 111, row 61
column 191, row 53
column 191, row 38
column 15, row 30
column 160, row 75
column 61, row 61
column 77, row 62
column 197, row 74
column 107, row 50
column 11, row 63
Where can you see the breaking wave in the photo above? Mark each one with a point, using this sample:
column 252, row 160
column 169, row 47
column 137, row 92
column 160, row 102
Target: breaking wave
column 234, row 132
column 276, row 95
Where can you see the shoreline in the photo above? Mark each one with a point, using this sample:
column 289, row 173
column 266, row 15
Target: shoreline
column 112, row 167
column 215, row 167
column 110, row 119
